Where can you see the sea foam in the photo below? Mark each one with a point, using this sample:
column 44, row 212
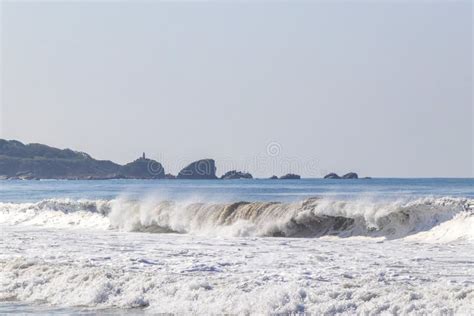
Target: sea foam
column 437, row 218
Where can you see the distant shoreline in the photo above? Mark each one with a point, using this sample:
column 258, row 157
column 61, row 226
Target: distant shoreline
column 34, row 161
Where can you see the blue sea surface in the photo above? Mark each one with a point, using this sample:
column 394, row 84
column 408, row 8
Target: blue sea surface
column 235, row 190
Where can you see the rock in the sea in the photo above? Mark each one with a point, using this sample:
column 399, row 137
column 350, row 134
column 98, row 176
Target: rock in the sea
column 201, row 169
column 234, row 174
column 142, row 168
column 170, row 176
column 332, row 175
column 350, row 175
column 290, row 176
column 273, row 177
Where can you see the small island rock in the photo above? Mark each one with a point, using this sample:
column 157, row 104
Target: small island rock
column 142, row 168
column 332, row 175
column 290, row 176
column 201, row 169
column 350, row 175
column 234, row 174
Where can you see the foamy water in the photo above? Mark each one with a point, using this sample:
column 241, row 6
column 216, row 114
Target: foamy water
column 315, row 217
column 156, row 252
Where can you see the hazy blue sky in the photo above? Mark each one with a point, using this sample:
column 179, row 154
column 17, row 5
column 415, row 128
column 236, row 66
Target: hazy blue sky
column 380, row 89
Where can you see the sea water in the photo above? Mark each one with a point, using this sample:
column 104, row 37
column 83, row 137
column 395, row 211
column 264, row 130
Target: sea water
column 237, row 246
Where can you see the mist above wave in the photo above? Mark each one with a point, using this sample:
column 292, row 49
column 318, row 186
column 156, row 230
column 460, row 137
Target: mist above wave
column 444, row 218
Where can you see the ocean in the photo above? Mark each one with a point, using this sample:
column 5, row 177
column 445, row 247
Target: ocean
column 366, row 246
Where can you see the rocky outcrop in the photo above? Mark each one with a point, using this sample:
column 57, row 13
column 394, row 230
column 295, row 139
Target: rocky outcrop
column 332, row 176
column 201, row 169
column 142, row 168
column 273, row 177
column 233, row 174
column 16, row 149
column 290, row 176
column 170, row 176
column 37, row 161
column 56, row 168
column 350, row 175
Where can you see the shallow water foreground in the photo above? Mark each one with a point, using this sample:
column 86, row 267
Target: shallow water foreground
column 88, row 270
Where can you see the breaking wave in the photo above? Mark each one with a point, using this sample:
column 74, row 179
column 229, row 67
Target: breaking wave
column 430, row 218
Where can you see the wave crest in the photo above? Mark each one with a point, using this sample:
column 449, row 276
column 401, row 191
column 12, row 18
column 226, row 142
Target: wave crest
column 60, row 213
column 313, row 217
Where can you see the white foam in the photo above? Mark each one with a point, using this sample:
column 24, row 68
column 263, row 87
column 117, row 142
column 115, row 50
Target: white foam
column 376, row 257
column 446, row 219
column 185, row 274
column 461, row 227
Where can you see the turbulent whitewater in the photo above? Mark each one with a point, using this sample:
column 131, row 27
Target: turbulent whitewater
column 314, row 217
column 384, row 246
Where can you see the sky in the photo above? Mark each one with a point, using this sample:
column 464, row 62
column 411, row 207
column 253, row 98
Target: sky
column 382, row 89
